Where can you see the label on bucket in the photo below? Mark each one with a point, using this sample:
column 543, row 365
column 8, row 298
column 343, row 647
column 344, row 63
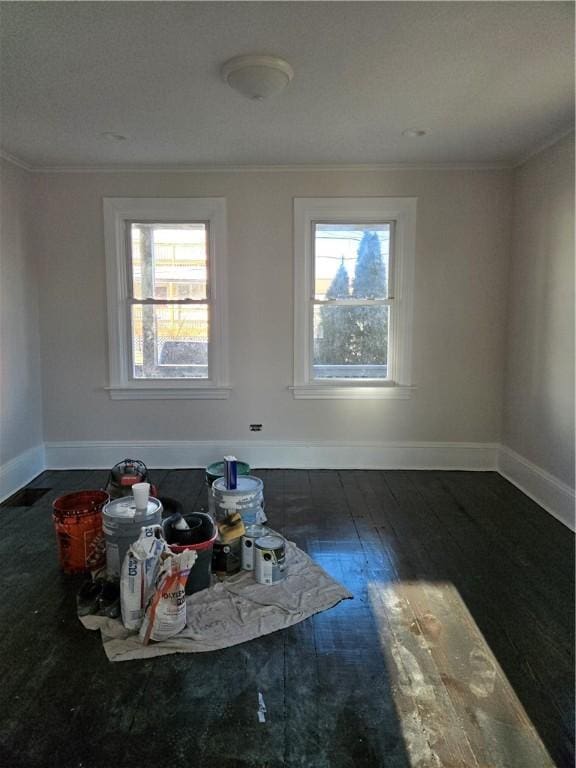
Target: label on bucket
column 94, row 549
column 112, row 559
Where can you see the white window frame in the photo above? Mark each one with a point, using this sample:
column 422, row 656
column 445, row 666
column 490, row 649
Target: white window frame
column 401, row 211
column 117, row 212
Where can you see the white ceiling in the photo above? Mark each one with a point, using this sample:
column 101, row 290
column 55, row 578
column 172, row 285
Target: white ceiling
column 489, row 81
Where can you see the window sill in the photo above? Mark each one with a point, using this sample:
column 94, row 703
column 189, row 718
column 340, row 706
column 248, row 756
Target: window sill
column 350, row 392
column 169, row 393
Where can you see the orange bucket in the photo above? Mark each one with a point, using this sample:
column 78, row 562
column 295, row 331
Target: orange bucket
column 78, row 524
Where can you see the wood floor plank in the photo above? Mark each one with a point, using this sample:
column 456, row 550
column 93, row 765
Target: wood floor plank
column 417, row 619
column 457, row 649
column 431, row 542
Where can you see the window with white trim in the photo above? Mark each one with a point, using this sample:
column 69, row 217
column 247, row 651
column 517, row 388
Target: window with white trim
column 166, row 272
column 354, row 275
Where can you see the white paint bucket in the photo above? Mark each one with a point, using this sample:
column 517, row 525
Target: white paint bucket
column 270, row 559
column 121, row 523
column 247, row 499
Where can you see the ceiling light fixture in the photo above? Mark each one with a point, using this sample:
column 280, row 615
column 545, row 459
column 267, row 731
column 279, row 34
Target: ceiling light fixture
column 257, row 77
column 414, row 132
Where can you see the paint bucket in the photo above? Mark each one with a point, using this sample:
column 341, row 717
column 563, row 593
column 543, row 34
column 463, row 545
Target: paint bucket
column 269, row 559
column 227, row 557
column 121, row 524
column 200, row 537
column 253, row 532
column 218, row 469
column 78, row 524
column 247, row 499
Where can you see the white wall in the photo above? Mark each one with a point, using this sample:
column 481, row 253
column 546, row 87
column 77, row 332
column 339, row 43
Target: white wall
column 538, row 420
column 20, row 386
column 461, row 270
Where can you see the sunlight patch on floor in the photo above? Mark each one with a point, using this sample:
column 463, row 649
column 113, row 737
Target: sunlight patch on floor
column 455, row 705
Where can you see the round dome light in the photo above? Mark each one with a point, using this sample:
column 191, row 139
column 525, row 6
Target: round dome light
column 257, row 77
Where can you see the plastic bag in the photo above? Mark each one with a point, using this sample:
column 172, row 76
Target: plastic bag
column 166, row 612
column 138, row 576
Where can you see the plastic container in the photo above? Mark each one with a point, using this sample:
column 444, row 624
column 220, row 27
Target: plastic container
column 78, row 525
column 200, row 536
column 121, row 524
column 124, row 475
column 247, row 499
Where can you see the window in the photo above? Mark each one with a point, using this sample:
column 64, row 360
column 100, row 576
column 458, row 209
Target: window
column 354, row 268
column 166, row 269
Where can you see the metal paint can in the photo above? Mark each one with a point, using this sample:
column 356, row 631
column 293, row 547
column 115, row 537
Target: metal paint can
column 253, row 532
column 226, row 557
column 270, row 559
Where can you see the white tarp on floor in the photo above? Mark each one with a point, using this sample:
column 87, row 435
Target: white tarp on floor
column 233, row 611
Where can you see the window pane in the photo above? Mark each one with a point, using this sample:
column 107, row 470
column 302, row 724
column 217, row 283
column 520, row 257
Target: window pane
column 170, row 341
column 350, row 342
column 169, row 260
column 351, row 261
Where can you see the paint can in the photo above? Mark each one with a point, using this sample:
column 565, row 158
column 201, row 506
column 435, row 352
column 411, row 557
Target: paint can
column 227, row 557
column 216, row 470
column 121, row 524
column 247, row 499
column 77, row 521
column 270, row 559
column 253, row 532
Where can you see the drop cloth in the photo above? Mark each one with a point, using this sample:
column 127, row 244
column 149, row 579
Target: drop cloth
column 233, row 611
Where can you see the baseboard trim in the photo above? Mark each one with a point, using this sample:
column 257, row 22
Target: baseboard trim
column 20, row 470
column 281, row 455
column 553, row 495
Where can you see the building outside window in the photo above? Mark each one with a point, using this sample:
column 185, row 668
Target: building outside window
column 354, row 265
column 166, row 277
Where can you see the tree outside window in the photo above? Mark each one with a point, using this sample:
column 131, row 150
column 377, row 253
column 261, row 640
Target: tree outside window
column 351, row 316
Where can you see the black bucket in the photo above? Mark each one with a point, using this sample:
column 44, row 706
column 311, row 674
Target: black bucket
column 200, row 537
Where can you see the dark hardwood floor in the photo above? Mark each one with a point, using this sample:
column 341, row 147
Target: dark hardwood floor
column 457, row 650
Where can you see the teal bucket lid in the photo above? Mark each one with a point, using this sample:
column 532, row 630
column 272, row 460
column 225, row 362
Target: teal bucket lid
column 216, row 470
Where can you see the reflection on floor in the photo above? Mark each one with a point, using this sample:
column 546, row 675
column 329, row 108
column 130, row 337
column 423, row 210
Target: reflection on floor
column 457, row 650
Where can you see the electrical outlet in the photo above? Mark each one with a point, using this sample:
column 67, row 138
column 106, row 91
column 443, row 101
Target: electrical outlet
column 255, row 427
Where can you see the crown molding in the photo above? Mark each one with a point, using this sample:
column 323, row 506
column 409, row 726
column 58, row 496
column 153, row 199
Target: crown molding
column 270, row 168
column 15, row 161
column 549, row 142
column 358, row 168
column 295, row 168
